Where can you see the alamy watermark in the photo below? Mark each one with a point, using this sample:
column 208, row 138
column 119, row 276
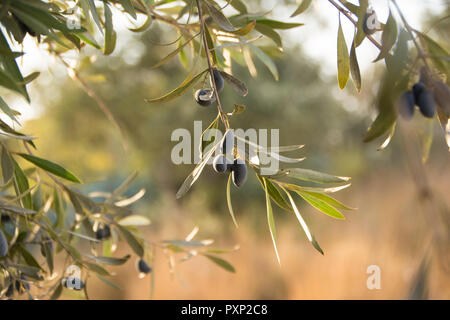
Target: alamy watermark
column 252, row 144
column 373, row 281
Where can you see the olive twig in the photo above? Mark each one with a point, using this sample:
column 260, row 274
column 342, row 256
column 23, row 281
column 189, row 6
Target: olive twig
column 223, row 116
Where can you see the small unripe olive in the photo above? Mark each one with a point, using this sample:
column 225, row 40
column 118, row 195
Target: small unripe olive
column 406, row 105
column 204, row 97
column 143, row 267
column 221, row 163
column 426, row 103
column 3, row 245
column 103, row 232
column 218, row 80
column 418, row 88
column 228, row 142
column 73, row 283
column 370, row 22
column 239, row 172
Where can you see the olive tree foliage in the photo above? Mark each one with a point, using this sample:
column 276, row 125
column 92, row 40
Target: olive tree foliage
column 41, row 208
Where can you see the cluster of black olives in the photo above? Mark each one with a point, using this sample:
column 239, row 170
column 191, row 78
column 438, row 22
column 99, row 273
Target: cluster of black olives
column 222, row 164
column 205, row 97
column 420, row 96
column 103, row 232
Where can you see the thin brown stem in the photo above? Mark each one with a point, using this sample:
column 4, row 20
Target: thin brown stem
column 101, row 104
column 222, row 114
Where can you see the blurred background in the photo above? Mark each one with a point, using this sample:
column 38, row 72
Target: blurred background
column 391, row 228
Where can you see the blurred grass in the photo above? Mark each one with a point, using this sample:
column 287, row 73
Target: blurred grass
column 388, row 230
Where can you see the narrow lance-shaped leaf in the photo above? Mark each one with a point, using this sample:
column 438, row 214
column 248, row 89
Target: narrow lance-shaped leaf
column 239, row 6
column 178, row 91
column 12, row 69
column 50, row 167
column 343, row 60
column 274, row 24
column 132, row 241
column 245, row 29
column 8, row 111
column 389, row 37
column 128, row 7
column 270, row 33
column 110, row 34
column 271, row 221
column 302, row 7
column 275, row 194
column 235, row 83
column 219, row 18
column 110, row 260
column 330, row 200
column 314, row 176
column 7, row 166
column 382, row 123
column 265, row 59
column 354, row 68
column 220, row 262
column 195, row 174
column 91, row 5
column 230, row 207
column 303, row 223
column 174, row 53
column 321, row 205
column 21, row 185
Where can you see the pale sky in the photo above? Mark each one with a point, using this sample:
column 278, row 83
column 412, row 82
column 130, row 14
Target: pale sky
column 318, row 38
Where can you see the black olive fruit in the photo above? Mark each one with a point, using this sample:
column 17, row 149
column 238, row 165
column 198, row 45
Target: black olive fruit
column 3, row 245
column 418, row 88
column 426, row 103
column 239, row 172
column 370, row 22
column 73, row 283
column 221, row 164
column 228, row 142
column 143, row 267
column 406, row 105
column 204, row 97
column 103, row 232
column 218, row 80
